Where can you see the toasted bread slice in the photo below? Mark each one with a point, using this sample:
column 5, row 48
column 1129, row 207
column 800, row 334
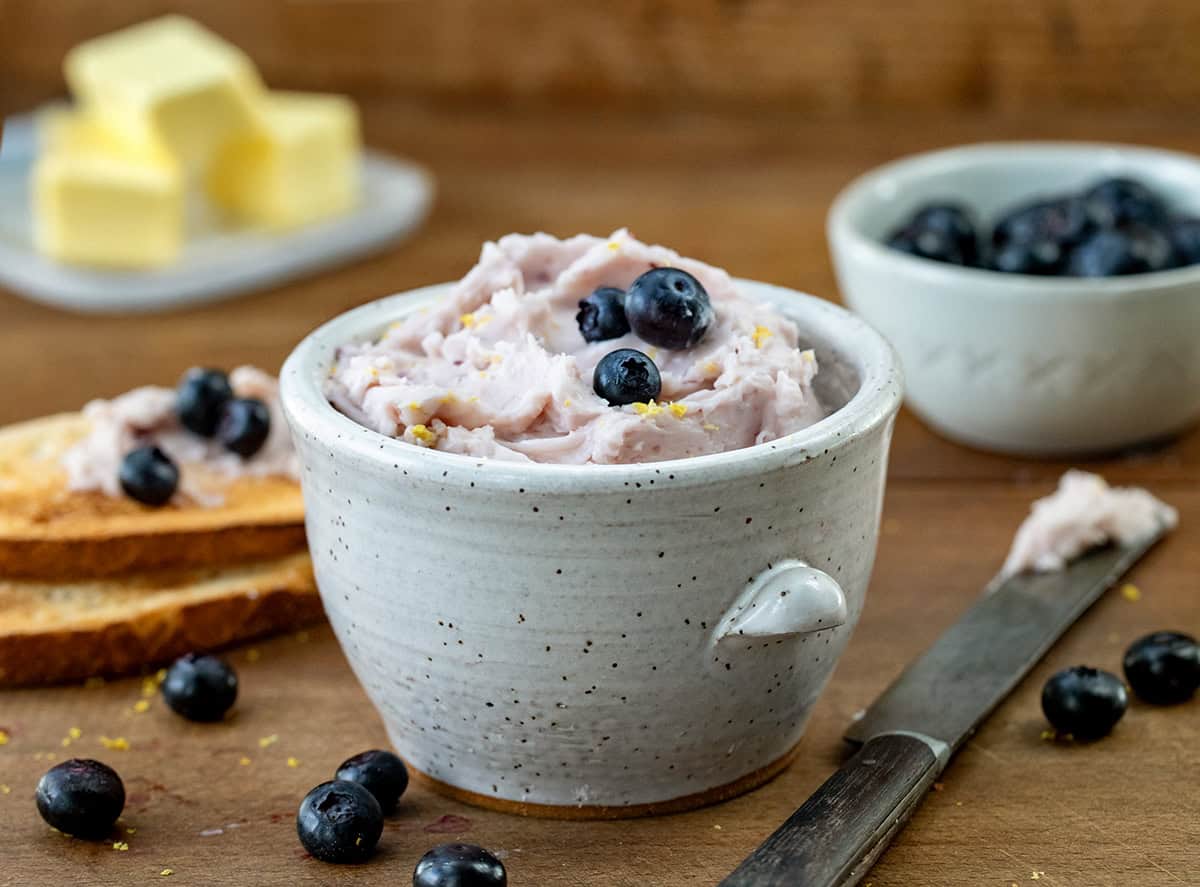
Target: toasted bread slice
column 49, row 532
column 52, row 632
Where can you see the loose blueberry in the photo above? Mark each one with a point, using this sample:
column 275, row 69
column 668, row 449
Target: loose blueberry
column 1120, row 201
column 927, row 244
column 602, row 315
column 1135, row 249
column 201, row 688
column 81, row 797
column 626, row 376
column 1041, row 257
column 148, row 475
column 954, row 222
column 1164, row 668
column 201, row 398
column 244, row 426
column 669, row 308
column 1062, row 220
column 1185, row 238
column 459, row 865
column 1084, row 702
column 339, row 822
column 379, row 772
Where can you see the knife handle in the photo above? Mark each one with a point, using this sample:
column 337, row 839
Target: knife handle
column 832, row 840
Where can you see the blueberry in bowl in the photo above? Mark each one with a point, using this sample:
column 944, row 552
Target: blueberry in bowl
column 1022, row 354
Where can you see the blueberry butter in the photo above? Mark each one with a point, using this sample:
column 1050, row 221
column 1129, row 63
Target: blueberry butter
column 584, row 350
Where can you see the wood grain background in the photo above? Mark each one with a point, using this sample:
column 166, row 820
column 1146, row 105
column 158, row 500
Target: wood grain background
column 827, row 56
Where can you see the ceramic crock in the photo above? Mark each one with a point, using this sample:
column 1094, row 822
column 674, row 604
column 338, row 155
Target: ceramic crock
column 599, row 640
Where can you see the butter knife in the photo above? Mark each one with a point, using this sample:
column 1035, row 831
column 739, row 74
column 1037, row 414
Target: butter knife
column 906, row 738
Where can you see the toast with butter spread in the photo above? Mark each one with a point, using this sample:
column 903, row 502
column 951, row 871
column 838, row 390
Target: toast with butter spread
column 54, row 632
column 50, row 531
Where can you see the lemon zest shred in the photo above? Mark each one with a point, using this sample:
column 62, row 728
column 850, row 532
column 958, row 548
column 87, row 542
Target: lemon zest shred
column 760, row 335
column 679, row 410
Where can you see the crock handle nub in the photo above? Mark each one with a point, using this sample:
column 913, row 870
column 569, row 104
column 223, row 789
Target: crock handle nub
column 788, row 599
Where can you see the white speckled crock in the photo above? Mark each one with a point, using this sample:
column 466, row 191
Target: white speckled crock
column 600, row 637
column 1027, row 365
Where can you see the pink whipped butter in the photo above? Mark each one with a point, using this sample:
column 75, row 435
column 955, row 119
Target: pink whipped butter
column 1082, row 513
column 146, row 416
column 498, row 368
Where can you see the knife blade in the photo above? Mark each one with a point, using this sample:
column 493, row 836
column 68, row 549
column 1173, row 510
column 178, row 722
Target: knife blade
column 908, row 734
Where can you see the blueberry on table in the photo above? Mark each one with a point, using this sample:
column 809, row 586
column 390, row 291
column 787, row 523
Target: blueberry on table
column 379, row 772
column 148, row 475
column 626, row 376
column 1135, row 249
column 244, row 426
column 927, row 244
column 339, row 822
column 669, row 308
column 459, row 865
column 602, row 315
column 954, row 222
column 81, row 797
column 1119, row 201
column 1064, row 221
column 200, row 688
column 1084, row 702
column 200, row 399
column 1163, row 668
column 1185, row 238
column 1042, row 257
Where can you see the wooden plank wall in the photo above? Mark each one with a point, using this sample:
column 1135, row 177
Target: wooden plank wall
column 823, row 56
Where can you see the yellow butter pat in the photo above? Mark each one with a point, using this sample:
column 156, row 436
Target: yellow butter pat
column 168, row 80
column 100, row 201
column 300, row 166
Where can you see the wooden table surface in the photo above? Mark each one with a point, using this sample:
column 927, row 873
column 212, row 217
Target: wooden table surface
column 745, row 192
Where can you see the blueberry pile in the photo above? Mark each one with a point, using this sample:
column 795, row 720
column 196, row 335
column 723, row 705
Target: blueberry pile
column 1085, row 703
column 340, row 821
column 206, row 406
column 665, row 307
column 1116, row 227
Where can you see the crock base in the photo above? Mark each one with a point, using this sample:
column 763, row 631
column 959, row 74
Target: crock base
column 588, row 812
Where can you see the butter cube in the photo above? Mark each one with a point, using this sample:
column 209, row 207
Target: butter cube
column 301, row 165
column 99, row 201
column 168, row 80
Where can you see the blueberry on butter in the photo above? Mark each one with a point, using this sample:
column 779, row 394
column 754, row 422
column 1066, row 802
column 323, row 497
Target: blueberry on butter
column 81, row 797
column 1084, row 702
column 1163, row 668
column 669, row 308
column 200, row 688
column 339, row 822
column 200, row 400
column 602, row 315
column 459, row 865
column 379, row 772
column 244, row 426
column 627, row 376
column 148, row 475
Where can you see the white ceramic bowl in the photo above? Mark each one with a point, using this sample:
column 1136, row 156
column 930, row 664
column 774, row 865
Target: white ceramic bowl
column 597, row 640
column 1022, row 364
